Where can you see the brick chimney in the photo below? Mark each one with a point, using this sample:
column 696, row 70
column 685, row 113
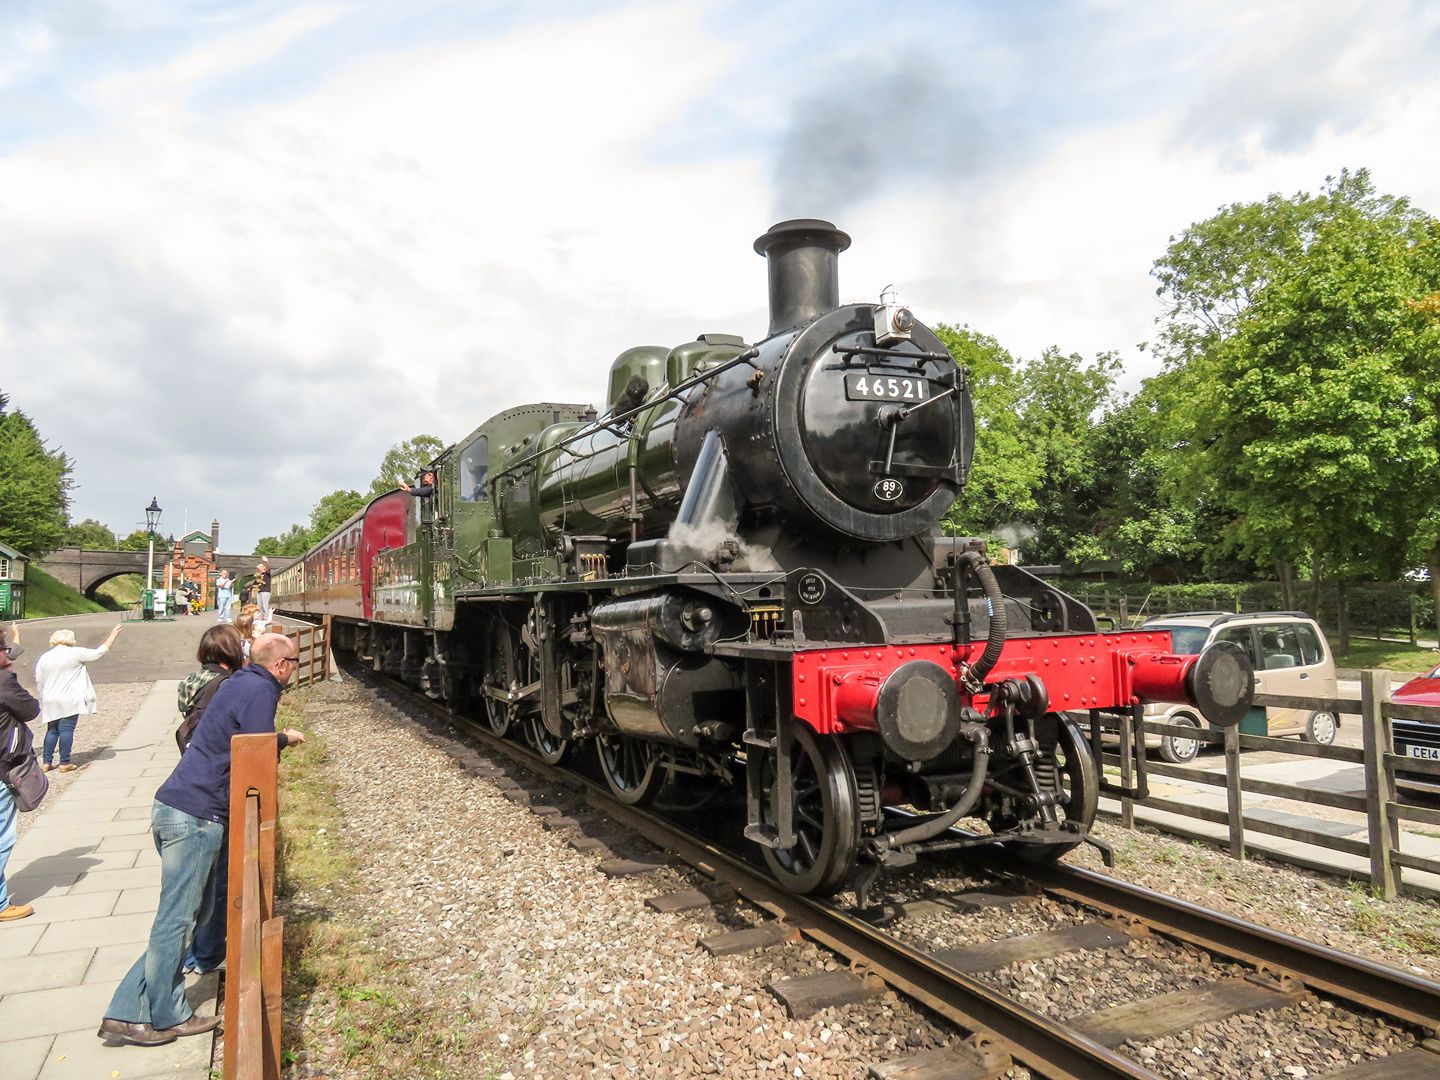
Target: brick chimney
column 214, row 536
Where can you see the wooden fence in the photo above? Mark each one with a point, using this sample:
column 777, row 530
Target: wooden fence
column 1379, row 803
column 312, row 641
column 254, row 932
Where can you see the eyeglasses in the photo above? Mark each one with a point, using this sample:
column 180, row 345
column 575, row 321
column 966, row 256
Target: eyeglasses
column 293, row 659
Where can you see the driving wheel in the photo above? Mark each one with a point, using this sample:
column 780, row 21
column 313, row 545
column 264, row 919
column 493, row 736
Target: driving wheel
column 501, row 667
column 826, row 824
column 631, row 767
column 551, row 748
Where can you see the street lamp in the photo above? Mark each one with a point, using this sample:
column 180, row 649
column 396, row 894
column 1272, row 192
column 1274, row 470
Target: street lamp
column 152, row 518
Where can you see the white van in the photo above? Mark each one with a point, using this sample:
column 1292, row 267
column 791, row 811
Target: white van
column 1290, row 655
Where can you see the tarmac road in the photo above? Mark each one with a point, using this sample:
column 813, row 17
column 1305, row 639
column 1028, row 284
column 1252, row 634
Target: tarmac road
column 144, row 651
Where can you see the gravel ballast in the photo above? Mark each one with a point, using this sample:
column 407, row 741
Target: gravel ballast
column 557, row 970
column 552, row 969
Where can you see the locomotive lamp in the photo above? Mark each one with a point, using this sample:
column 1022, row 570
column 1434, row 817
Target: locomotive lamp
column 892, row 322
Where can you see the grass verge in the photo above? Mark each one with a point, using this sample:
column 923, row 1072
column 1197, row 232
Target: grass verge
column 1390, row 655
column 349, row 1009
column 45, row 597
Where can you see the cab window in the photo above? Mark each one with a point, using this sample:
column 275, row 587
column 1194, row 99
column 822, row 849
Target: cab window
column 474, row 468
column 1239, row 635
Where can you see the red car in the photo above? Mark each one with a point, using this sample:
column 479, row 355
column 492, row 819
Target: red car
column 1418, row 739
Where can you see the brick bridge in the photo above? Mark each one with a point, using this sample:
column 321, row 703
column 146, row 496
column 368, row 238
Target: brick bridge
column 83, row 570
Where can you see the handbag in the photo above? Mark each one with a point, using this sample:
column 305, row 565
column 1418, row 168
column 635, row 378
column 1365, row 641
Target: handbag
column 28, row 782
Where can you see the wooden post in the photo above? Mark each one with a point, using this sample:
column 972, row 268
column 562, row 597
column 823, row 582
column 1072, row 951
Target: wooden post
column 1233, row 802
column 1379, row 783
column 1127, row 768
column 253, row 760
column 325, row 666
column 1124, row 622
column 1414, row 630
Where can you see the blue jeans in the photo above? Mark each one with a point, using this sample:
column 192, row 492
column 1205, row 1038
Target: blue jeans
column 207, row 951
column 9, row 829
column 223, row 599
column 153, row 990
column 60, row 731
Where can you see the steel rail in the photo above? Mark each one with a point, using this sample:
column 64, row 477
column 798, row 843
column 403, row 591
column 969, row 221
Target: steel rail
column 1385, row 989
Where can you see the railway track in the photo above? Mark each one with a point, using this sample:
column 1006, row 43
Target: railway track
column 1279, row 969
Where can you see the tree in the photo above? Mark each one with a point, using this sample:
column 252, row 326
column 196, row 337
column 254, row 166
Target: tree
column 1308, row 408
column 89, row 534
column 1000, row 493
column 331, row 510
column 293, row 541
column 405, row 460
column 34, row 486
column 139, row 540
column 1063, row 403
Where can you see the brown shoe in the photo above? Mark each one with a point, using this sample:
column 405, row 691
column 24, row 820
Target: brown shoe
column 48, row 767
column 196, row 1025
column 134, row 1034
column 67, row 767
column 16, row 911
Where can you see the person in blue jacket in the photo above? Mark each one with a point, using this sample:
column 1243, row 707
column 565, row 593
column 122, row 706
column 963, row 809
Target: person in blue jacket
column 188, row 823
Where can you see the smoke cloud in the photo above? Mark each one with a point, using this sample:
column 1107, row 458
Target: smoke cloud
column 871, row 128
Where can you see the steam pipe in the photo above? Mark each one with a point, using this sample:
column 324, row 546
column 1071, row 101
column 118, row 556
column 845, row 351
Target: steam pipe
column 995, row 644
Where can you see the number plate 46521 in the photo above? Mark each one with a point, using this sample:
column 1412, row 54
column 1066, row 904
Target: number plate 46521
column 863, row 386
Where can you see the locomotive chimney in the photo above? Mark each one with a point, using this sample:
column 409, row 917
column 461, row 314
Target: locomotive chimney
column 802, row 256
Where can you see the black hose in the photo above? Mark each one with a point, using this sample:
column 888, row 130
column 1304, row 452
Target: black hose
column 975, row 562
column 978, row 734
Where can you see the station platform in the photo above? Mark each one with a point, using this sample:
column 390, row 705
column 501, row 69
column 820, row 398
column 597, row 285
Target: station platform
column 87, row 862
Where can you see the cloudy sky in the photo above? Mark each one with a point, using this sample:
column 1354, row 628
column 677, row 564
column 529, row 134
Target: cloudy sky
column 246, row 245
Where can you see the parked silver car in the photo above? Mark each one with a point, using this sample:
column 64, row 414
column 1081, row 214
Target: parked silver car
column 1290, row 655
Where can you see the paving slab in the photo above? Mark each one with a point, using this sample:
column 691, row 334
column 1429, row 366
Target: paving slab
column 136, row 900
column 116, row 827
column 110, row 930
column 111, row 962
column 46, row 971
column 127, row 841
column 18, row 939
column 116, row 880
column 48, row 1012
column 79, row 907
column 26, row 1057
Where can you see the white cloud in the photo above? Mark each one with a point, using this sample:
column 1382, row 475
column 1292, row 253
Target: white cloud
column 239, row 310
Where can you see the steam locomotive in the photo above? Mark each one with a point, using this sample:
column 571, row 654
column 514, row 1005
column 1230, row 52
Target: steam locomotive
column 735, row 574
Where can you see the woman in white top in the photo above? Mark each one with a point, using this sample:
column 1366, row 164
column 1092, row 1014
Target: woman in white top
column 65, row 692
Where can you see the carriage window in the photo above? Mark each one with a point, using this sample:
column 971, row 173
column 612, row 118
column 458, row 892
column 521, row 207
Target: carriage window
column 474, row 466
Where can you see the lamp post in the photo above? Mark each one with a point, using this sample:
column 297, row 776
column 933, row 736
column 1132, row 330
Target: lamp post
column 152, row 518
